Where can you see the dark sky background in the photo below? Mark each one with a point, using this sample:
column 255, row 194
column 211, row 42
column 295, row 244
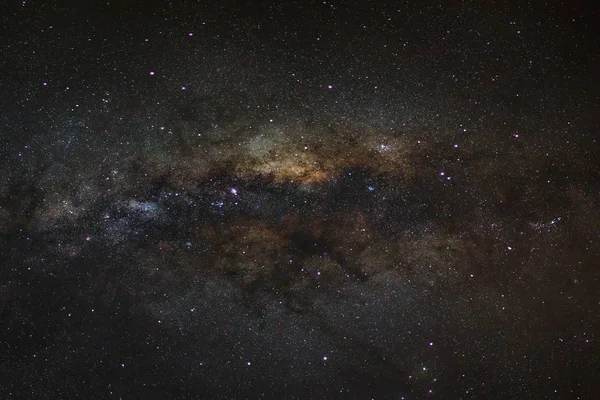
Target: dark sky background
column 299, row 200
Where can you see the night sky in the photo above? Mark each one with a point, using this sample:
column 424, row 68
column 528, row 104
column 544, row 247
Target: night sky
column 299, row 200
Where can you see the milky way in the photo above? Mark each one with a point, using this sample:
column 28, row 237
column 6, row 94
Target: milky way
column 211, row 212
